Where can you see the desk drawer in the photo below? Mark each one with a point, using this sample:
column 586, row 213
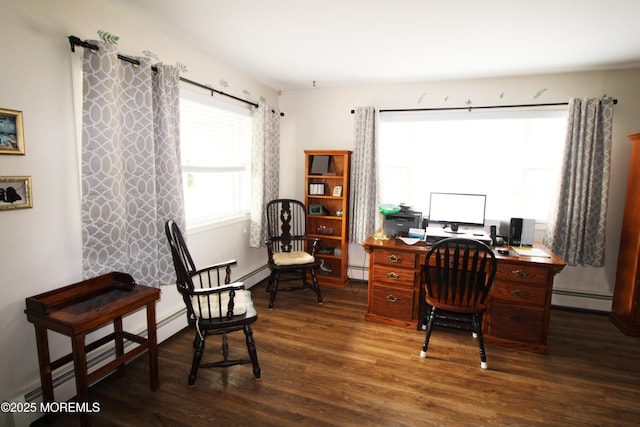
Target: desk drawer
column 392, row 302
column 517, row 323
column 400, row 259
column 520, row 293
column 522, row 273
column 394, row 275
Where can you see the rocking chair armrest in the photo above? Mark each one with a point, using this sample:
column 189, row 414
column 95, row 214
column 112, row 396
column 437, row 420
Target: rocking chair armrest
column 270, row 241
column 315, row 244
column 221, row 269
column 269, row 244
column 236, row 286
column 219, row 265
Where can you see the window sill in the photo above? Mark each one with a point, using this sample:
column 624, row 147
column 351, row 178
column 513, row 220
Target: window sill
column 211, row 224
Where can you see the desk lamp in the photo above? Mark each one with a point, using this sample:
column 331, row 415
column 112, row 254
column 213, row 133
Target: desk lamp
column 385, row 209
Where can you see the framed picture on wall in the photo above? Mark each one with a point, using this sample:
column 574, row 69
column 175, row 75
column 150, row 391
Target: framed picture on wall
column 11, row 132
column 15, row 192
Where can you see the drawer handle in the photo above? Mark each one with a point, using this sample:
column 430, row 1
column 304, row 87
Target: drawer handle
column 518, row 293
column 394, row 258
column 392, row 299
column 393, row 275
column 520, row 274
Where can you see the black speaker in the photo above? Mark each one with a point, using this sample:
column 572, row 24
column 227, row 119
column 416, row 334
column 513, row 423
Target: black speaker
column 493, row 231
column 521, row 232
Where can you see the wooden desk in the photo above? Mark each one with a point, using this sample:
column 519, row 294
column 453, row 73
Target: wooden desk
column 519, row 303
column 78, row 309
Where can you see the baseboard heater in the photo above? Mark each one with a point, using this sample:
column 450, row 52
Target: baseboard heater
column 95, row 360
column 583, row 301
column 582, row 295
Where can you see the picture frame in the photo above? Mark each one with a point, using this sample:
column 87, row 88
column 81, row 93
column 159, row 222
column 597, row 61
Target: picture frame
column 316, row 189
column 11, row 132
column 337, row 191
column 15, row 192
column 319, row 165
column 315, row 209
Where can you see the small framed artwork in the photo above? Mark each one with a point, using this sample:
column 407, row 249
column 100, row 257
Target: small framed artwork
column 316, row 189
column 15, row 192
column 337, row 191
column 11, row 132
column 315, row 209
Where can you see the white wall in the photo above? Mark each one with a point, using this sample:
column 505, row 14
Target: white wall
column 320, row 118
column 42, row 246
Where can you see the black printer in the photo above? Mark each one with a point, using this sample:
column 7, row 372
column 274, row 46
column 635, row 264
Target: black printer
column 399, row 223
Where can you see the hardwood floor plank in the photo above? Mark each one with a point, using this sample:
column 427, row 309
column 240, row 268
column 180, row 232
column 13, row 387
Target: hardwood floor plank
column 324, row 365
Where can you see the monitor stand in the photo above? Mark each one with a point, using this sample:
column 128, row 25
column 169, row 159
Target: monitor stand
column 452, row 231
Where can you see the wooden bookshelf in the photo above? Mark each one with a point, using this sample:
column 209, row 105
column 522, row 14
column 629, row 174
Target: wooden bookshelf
column 327, row 175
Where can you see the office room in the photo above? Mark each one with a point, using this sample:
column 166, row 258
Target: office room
column 42, row 79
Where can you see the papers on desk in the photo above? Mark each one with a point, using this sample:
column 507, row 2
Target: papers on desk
column 415, row 235
column 527, row 251
column 410, row 240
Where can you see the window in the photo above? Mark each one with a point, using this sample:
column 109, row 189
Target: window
column 215, row 139
column 514, row 157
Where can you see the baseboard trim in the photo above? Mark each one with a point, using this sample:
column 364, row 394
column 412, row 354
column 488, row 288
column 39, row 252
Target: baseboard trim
column 581, row 300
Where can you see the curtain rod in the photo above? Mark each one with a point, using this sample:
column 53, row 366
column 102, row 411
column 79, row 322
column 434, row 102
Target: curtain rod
column 75, row 41
column 484, row 107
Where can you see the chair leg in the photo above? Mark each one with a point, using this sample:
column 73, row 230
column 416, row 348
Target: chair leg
column 303, row 277
column 270, row 283
column 225, row 346
column 425, row 346
column 197, row 358
column 274, row 288
column 253, row 353
column 424, row 314
column 316, row 286
column 196, row 341
column 477, row 327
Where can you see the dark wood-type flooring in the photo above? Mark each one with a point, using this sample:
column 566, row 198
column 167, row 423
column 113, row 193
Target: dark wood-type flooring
column 324, row 365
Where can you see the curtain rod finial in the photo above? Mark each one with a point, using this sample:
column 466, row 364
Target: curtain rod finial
column 73, row 41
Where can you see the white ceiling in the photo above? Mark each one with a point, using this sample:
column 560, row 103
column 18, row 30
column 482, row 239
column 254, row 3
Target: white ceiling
column 288, row 44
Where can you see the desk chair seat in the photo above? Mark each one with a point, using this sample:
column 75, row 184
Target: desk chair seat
column 289, row 249
column 458, row 274
column 215, row 306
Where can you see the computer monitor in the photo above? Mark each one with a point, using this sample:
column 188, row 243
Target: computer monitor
column 457, row 209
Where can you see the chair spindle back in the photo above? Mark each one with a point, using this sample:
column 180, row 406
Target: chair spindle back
column 459, row 272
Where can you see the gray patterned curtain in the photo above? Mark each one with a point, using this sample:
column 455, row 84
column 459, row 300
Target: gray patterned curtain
column 364, row 175
column 265, row 169
column 577, row 233
column 131, row 178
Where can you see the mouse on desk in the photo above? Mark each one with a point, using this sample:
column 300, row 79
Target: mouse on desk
column 503, row 251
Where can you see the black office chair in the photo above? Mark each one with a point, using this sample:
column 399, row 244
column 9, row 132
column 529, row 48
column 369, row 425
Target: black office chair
column 458, row 274
column 214, row 305
column 286, row 239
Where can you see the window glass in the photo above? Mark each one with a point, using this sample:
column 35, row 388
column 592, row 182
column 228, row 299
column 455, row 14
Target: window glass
column 215, row 139
column 513, row 157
